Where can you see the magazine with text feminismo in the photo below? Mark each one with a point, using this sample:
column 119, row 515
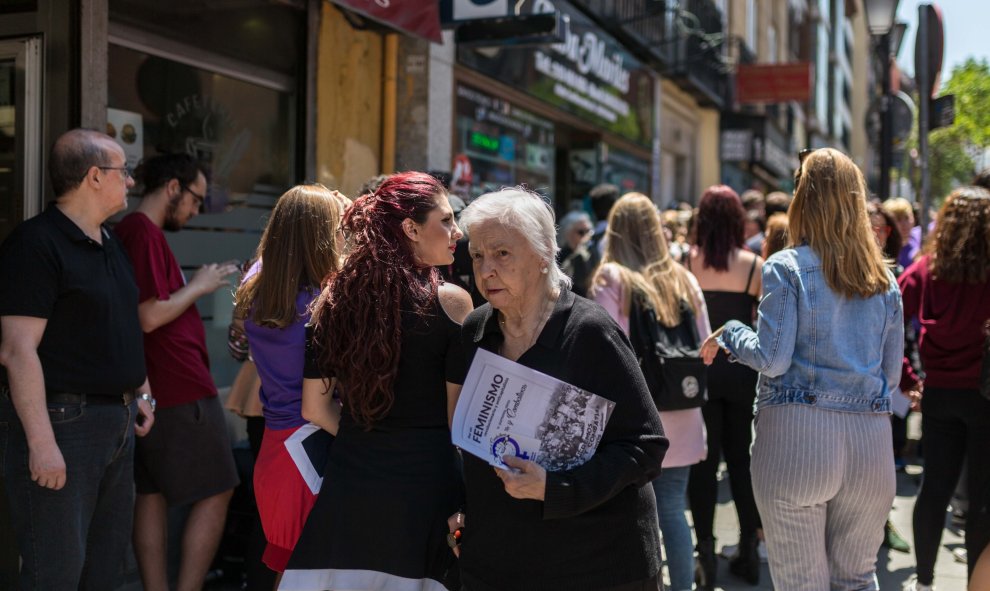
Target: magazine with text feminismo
column 507, row 408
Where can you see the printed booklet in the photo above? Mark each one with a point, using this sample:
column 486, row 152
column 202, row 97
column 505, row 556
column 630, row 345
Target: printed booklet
column 507, row 408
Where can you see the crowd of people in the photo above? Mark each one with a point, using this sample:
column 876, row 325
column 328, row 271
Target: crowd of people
column 357, row 321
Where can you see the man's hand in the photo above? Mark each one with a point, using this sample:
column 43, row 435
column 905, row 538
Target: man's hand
column 145, row 418
column 210, row 278
column 524, row 480
column 47, row 465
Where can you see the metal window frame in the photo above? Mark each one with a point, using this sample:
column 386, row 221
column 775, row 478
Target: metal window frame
column 29, row 66
column 140, row 40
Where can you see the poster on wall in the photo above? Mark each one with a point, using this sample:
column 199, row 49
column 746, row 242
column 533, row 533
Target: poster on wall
column 127, row 129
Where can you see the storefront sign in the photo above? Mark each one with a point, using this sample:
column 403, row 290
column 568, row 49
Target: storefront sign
column 469, row 9
column 127, row 129
column 416, row 17
column 773, row 83
column 737, row 145
column 589, row 74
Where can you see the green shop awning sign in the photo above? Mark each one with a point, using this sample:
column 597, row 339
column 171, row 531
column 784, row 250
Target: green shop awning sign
column 589, row 75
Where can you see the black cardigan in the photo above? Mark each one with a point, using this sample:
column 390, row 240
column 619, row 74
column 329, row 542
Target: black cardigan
column 597, row 527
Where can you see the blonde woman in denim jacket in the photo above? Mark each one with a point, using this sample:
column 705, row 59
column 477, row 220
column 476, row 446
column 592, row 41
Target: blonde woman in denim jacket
column 828, row 346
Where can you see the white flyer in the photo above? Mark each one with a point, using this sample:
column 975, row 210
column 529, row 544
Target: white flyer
column 507, row 408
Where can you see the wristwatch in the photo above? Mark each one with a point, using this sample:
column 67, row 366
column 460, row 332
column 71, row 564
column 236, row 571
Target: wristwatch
column 147, row 397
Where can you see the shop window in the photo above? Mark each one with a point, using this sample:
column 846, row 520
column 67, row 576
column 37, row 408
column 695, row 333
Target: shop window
column 243, row 130
column 503, row 145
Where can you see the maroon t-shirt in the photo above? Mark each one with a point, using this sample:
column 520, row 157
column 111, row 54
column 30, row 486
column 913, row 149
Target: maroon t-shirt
column 951, row 317
column 178, row 365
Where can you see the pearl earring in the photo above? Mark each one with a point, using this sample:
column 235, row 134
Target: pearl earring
column 544, row 270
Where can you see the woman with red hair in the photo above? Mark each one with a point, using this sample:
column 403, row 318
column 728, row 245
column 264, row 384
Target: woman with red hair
column 385, row 335
column 729, row 276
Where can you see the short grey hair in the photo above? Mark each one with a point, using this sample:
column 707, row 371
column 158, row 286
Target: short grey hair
column 569, row 220
column 526, row 212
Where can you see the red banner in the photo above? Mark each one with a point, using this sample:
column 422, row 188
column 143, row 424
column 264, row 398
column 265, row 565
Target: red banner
column 773, row 83
column 416, row 17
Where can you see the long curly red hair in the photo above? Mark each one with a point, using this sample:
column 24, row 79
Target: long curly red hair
column 357, row 328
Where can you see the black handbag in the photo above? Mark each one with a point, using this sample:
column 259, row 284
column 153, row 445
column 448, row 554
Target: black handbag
column 985, row 366
column 669, row 357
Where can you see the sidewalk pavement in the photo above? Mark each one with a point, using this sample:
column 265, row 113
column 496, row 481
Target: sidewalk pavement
column 893, row 568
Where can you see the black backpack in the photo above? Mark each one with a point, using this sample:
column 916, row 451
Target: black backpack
column 674, row 371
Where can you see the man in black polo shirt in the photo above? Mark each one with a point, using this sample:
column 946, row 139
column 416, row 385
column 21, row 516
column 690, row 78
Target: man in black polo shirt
column 72, row 352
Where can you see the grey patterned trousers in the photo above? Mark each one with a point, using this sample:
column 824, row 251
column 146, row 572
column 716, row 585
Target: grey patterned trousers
column 824, row 483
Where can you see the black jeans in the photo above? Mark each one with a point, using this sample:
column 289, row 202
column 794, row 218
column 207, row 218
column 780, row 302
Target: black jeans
column 76, row 537
column 955, row 425
column 729, row 423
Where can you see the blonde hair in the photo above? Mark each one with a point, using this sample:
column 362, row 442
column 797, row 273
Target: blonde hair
column 829, row 214
column 637, row 246
column 298, row 250
column 775, row 236
column 899, row 207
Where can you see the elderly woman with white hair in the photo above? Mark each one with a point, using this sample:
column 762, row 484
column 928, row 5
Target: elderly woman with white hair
column 576, row 260
column 589, row 527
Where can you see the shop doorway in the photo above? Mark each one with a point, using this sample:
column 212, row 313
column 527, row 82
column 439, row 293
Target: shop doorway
column 20, row 131
column 578, row 168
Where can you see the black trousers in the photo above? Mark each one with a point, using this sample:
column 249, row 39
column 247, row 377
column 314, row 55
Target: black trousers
column 955, row 427
column 729, row 422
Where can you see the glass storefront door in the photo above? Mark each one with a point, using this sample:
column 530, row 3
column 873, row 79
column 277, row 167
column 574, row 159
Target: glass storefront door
column 244, row 133
column 20, row 132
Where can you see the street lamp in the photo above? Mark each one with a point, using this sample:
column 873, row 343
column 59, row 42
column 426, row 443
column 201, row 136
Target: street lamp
column 880, row 21
column 880, row 15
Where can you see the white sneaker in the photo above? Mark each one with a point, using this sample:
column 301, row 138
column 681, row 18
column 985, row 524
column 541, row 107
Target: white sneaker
column 914, row 585
column 959, row 554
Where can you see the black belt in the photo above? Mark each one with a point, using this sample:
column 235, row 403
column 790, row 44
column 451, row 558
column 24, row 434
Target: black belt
column 69, row 398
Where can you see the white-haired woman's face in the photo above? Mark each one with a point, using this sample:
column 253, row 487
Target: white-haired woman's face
column 507, row 270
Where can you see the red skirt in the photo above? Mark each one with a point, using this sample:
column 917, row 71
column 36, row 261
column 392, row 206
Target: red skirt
column 287, row 479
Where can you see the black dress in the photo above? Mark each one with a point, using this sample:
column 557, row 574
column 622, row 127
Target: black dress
column 380, row 522
column 728, row 422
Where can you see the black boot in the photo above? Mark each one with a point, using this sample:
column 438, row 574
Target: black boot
column 705, row 565
column 746, row 564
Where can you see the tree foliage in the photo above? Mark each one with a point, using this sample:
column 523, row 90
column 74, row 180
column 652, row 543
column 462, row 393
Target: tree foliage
column 952, row 150
column 949, row 161
column 970, row 83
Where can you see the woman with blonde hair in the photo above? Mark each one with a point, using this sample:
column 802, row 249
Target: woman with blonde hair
column 637, row 266
column 301, row 246
column 828, row 346
column 948, row 290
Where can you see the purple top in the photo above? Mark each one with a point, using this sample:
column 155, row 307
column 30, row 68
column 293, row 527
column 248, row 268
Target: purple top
column 279, row 354
column 910, row 250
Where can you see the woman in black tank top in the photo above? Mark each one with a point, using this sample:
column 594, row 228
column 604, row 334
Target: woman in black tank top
column 731, row 391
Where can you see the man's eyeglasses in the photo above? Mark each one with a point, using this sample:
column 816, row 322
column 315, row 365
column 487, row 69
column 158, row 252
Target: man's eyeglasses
column 126, row 170
column 200, row 199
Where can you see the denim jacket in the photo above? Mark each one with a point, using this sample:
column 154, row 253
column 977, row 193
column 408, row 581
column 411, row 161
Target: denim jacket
column 813, row 346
